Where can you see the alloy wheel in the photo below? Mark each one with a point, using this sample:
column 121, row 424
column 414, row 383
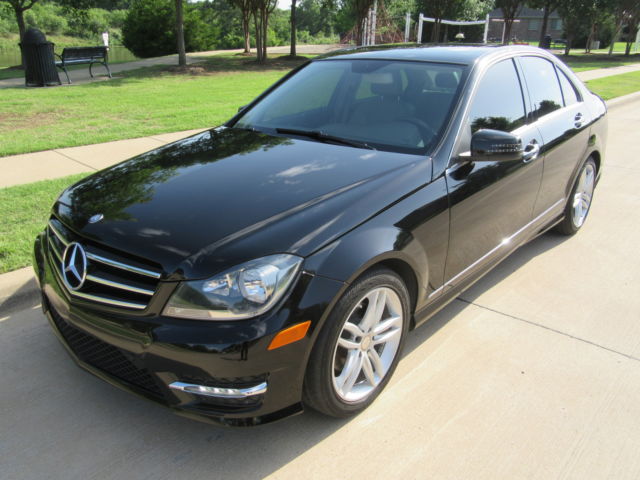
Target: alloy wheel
column 583, row 194
column 367, row 344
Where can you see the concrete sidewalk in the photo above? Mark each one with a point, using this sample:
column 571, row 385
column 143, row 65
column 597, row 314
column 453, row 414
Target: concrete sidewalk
column 49, row 164
column 607, row 72
column 81, row 75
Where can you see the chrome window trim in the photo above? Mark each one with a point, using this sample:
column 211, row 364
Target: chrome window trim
column 220, row 392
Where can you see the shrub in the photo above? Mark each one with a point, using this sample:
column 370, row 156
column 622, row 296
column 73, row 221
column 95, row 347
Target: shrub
column 47, row 17
column 149, row 29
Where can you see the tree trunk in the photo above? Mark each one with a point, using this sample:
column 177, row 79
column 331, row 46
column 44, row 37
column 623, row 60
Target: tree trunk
column 507, row 31
column 616, row 32
column 292, row 52
column 20, row 18
column 627, row 49
column 545, row 24
column 258, row 35
column 21, row 28
column 587, row 47
column 265, row 34
column 567, row 47
column 246, row 19
column 182, row 55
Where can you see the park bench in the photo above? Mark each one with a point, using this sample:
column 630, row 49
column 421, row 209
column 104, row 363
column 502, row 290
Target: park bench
column 81, row 55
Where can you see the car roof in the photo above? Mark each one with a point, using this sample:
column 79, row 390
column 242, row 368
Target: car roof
column 459, row 54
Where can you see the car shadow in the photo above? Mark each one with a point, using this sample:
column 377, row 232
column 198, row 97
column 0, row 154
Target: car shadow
column 511, row 264
column 58, row 409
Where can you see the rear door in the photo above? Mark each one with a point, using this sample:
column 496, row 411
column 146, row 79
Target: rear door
column 491, row 201
column 563, row 120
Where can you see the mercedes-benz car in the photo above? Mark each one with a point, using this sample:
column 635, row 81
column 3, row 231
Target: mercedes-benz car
column 280, row 260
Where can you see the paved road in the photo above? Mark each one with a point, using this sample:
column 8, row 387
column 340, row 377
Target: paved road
column 534, row 373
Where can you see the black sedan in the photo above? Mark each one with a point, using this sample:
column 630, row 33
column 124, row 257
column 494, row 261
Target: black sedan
column 280, row 260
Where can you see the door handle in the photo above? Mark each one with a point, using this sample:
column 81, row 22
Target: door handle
column 531, row 151
column 578, row 120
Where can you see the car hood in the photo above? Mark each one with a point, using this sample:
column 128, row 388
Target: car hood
column 216, row 199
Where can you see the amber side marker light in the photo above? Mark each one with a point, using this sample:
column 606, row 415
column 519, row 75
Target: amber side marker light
column 289, row 335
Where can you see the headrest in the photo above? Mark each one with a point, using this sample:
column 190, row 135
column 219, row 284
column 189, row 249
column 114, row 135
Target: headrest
column 446, row 80
column 384, row 84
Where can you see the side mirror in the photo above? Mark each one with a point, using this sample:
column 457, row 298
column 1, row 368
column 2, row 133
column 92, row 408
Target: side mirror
column 241, row 108
column 495, row 146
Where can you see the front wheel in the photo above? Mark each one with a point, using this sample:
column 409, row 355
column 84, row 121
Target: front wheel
column 579, row 201
column 359, row 347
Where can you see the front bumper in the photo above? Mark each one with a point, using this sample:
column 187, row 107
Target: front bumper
column 145, row 353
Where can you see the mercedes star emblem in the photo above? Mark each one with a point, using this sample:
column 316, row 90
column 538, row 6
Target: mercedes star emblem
column 74, row 266
column 96, row 218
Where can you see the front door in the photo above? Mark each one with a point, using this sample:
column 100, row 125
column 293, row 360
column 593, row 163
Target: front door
column 491, row 202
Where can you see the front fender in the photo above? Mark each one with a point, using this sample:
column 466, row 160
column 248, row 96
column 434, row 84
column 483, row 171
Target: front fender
column 413, row 232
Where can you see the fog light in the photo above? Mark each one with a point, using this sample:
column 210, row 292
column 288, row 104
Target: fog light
column 220, row 392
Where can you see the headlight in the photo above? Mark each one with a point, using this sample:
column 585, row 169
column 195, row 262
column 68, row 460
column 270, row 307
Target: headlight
column 244, row 291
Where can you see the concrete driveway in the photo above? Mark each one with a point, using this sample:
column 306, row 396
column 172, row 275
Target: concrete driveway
column 534, row 373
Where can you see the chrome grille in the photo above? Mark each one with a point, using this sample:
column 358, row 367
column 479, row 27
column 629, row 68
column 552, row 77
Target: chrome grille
column 111, row 279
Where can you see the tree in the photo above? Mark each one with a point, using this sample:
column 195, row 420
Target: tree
column 149, row 28
column 547, row 7
column 19, row 7
column 633, row 23
column 261, row 10
column 571, row 12
column 182, row 54
column 245, row 7
column 359, row 10
column 292, row 50
column 439, row 10
column 510, row 10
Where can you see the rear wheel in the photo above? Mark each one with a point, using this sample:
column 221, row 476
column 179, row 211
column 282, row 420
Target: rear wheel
column 359, row 346
column 579, row 202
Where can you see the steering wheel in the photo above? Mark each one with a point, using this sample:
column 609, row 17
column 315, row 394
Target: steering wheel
column 426, row 130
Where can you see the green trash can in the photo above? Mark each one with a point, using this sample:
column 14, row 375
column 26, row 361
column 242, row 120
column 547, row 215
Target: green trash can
column 39, row 61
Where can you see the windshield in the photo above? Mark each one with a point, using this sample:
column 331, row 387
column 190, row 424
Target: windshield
column 382, row 104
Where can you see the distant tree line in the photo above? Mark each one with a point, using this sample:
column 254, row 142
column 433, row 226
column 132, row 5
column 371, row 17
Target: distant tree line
column 158, row 27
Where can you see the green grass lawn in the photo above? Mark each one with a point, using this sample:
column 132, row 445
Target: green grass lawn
column 616, row 86
column 144, row 102
column 581, row 63
column 24, row 210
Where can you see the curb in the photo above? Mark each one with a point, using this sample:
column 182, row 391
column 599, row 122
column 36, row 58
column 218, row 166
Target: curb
column 19, row 288
column 625, row 99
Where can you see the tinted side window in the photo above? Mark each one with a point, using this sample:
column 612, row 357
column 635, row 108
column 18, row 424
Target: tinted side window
column 498, row 102
column 543, row 85
column 568, row 90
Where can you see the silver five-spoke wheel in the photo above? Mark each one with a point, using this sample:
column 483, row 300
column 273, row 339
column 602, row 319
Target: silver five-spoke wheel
column 367, row 344
column 583, row 194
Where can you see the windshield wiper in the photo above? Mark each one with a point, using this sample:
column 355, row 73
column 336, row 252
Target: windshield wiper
column 324, row 137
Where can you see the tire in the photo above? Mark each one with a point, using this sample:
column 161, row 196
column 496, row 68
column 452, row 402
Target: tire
column 579, row 203
column 342, row 379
